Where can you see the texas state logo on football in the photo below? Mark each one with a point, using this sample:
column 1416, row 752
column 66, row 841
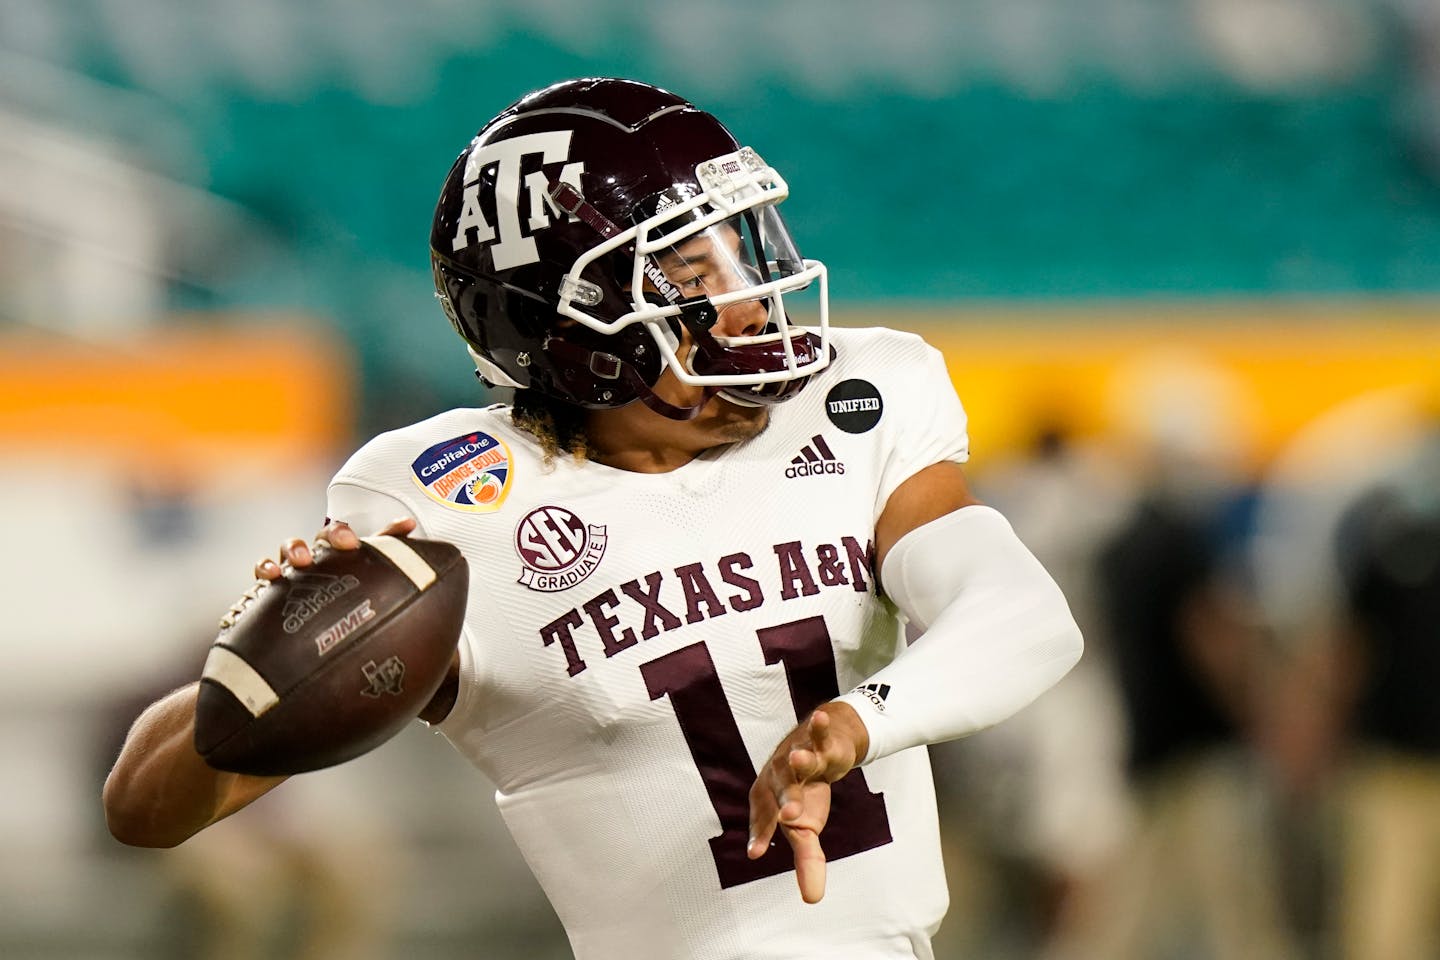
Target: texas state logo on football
column 470, row 472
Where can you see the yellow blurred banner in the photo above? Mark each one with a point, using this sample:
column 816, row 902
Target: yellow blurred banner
column 1258, row 372
column 189, row 401
column 1249, row 375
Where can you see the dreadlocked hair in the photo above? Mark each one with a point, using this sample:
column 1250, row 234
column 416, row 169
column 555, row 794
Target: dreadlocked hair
column 558, row 427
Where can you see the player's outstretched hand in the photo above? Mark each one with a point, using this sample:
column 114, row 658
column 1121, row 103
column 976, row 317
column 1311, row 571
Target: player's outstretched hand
column 792, row 791
column 337, row 534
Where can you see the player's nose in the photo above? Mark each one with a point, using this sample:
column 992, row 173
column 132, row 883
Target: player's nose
column 744, row 319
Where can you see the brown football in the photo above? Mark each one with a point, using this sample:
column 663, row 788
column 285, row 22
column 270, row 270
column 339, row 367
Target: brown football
column 330, row 661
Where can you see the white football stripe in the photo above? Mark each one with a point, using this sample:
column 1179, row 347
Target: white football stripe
column 404, row 556
column 227, row 668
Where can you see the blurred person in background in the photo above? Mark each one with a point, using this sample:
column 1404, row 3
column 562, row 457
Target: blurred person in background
column 611, row 253
column 1351, row 560
column 1388, row 552
column 1024, row 878
column 1198, row 868
column 302, row 877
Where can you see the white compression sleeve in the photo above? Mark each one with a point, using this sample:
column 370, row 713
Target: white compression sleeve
column 997, row 633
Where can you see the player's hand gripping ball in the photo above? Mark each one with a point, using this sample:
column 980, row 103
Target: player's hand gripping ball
column 330, row 661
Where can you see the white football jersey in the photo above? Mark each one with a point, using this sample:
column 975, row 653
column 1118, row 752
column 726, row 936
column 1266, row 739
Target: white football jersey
column 636, row 644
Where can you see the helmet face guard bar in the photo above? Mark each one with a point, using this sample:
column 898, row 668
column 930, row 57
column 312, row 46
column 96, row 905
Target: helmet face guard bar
column 732, row 220
column 747, row 361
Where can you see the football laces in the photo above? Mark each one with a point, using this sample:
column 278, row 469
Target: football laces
column 239, row 606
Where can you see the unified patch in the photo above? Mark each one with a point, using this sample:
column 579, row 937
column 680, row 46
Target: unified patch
column 469, row 473
column 854, row 405
column 557, row 549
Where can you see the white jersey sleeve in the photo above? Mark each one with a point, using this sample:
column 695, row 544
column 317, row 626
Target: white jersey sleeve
column 922, row 420
column 367, row 511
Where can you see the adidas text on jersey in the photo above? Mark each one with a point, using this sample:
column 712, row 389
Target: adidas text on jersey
column 815, row 458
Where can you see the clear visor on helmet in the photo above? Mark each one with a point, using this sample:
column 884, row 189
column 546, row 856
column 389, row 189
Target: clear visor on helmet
column 732, row 262
column 755, row 287
column 716, row 278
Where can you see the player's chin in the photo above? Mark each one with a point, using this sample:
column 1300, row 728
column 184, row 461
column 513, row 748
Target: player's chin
column 738, row 421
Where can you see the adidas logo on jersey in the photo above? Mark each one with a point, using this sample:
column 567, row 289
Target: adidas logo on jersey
column 814, row 459
column 875, row 693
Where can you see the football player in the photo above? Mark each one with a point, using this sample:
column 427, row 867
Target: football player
column 694, row 536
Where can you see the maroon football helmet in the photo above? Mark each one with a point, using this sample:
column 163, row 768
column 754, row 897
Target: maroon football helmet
column 593, row 224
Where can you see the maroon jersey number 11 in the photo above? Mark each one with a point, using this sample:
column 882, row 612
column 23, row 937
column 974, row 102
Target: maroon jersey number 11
column 858, row 821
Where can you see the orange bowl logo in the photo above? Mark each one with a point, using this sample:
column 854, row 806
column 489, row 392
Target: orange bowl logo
column 485, row 489
column 470, row 473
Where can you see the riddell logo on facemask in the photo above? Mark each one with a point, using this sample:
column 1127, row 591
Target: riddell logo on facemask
column 814, row 459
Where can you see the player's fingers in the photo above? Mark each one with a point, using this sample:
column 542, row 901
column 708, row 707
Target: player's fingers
column 267, row 569
column 834, row 743
column 761, row 839
column 819, row 728
column 338, row 534
column 806, row 764
column 806, row 807
column 830, row 741
column 341, row 536
column 834, row 754
column 296, row 552
column 764, row 815
column 792, row 805
column 809, row 863
column 805, row 767
column 399, row 527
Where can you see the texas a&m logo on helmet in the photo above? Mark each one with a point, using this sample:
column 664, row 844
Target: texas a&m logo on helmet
column 514, row 195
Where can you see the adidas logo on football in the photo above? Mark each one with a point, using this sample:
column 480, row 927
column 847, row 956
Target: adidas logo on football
column 814, row 459
column 875, row 693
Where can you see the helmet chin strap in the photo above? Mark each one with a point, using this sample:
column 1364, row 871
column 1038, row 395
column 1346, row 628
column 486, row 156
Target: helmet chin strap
column 579, row 355
column 664, row 407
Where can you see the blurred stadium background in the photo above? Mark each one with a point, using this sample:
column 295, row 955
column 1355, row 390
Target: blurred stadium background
column 1183, row 257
